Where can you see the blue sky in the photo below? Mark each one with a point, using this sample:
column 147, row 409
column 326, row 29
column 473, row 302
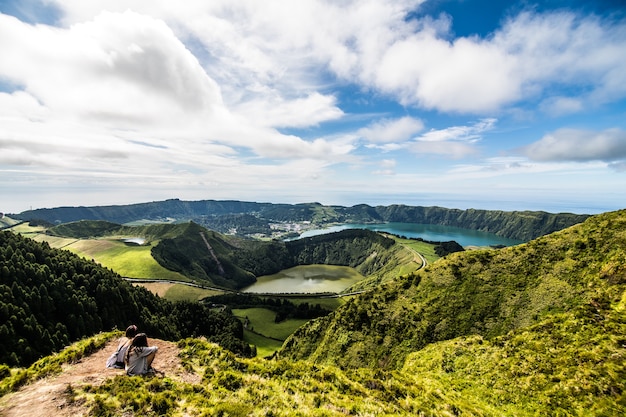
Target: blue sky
column 517, row 105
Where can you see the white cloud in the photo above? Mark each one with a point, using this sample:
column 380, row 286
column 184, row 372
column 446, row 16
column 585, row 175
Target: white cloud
column 579, row 145
column 286, row 47
column 557, row 106
column 275, row 111
column 125, row 68
column 455, row 141
column 386, row 167
column 459, row 133
column 123, row 88
column 454, row 150
column 392, row 130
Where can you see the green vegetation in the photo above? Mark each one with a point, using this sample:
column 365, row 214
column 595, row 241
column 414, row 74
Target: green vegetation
column 180, row 292
column 263, row 322
column 130, row 261
column 532, row 330
column 281, row 307
column 510, row 376
column 51, row 297
column 265, row 346
column 481, row 292
column 234, row 263
column 82, row 229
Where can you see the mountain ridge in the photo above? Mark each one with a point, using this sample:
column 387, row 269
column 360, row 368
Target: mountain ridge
column 223, row 215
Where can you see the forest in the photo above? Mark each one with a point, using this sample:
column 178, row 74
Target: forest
column 51, row 297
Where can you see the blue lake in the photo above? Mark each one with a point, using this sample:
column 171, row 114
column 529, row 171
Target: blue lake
column 432, row 232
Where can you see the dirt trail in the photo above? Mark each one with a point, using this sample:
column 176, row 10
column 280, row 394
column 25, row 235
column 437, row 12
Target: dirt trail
column 48, row 396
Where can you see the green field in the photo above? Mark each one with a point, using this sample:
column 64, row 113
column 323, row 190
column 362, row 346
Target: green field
column 177, row 292
column 127, row 260
column 181, row 292
column 262, row 332
column 426, row 249
column 264, row 345
column 262, row 322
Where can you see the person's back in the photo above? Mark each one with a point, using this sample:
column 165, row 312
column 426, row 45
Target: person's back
column 116, row 360
column 139, row 356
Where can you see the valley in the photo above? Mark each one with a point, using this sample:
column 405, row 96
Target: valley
column 531, row 329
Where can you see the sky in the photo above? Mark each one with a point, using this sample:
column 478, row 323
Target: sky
column 499, row 105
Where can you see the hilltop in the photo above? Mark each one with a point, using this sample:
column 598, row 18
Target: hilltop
column 53, row 395
column 536, row 329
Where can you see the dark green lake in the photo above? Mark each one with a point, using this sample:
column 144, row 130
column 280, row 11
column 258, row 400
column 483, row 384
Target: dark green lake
column 307, row 279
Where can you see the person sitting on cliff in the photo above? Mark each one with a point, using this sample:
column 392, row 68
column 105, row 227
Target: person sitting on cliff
column 116, row 360
column 139, row 356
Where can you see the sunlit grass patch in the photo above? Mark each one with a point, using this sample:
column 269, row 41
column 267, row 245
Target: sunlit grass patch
column 128, row 261
column 181, row 292
column 261, row 320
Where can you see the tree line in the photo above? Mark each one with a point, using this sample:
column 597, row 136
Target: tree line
column 283, row 308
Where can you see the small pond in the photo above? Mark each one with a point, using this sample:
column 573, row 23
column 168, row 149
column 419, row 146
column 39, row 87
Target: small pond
column 307, row 279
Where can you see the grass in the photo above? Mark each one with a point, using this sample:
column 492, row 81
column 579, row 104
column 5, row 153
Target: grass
column 180, row 292
column 126, row 260
column 262, row 322
column 27, row 230
column 177, row 292
column 426, row 249
column 264, row 345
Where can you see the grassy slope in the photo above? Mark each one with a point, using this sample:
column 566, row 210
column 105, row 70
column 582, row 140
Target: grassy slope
column 178, row 292
column 482, row 292
column 127, row 260
column 262, row 322
column 522, row 374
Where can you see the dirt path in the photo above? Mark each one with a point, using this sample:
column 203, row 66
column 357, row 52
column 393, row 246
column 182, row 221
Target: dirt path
column 48, row 396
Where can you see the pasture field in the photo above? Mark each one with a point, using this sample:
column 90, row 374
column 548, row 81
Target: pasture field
column 181, row 292
column 54, row 241
column 27, row 230
column 127, row 260
column 264, row 345
column 177, row 292
column 158, row 288
column 426, row 249
column 262, row 322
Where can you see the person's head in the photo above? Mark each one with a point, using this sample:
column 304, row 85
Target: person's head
column 131, row 331
column 140, row 340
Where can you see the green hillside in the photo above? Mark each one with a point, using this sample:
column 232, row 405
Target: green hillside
column 580, row 270
column 234, row 263
column 188, row 251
